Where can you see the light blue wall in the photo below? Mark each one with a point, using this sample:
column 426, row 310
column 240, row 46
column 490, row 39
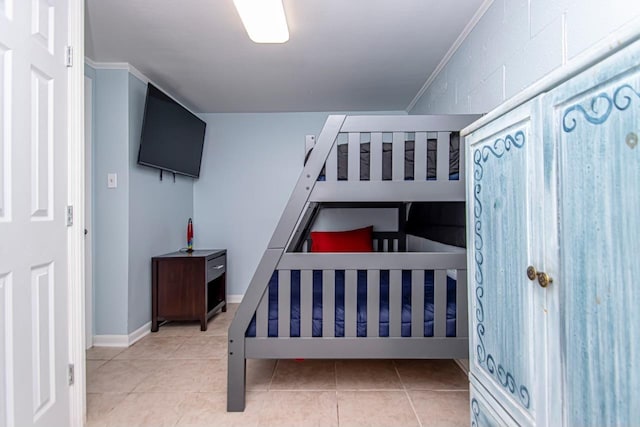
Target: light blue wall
column 140, row 218
column 250, row 165
column 341, row 219
column 158, row 214
column 111, row 206
column 516, row 43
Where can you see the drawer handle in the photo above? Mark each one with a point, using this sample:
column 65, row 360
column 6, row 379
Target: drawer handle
column 219, row 267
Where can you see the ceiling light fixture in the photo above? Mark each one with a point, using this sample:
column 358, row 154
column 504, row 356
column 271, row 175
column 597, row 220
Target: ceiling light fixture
column 264, row 20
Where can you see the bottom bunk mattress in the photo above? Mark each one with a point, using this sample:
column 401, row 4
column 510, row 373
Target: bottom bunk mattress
column 361, row 304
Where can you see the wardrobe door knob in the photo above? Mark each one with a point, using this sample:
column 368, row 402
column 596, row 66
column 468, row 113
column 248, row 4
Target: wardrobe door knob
column 543, row 278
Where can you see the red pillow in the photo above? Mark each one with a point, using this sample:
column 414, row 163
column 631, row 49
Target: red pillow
column 360, row 240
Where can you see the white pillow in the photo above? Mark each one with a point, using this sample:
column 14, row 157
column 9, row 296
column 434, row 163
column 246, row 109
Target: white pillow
column 420, row 244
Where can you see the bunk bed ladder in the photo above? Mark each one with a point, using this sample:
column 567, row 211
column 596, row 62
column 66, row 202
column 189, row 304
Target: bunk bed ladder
column 236, row 375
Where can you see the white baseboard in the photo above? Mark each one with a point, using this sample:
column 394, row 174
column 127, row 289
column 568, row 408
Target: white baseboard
column 139, row 333
column 463, row 364
column 235, row 299
column 110, row 341
column 122, row 340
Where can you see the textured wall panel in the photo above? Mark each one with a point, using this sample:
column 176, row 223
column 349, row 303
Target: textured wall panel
column 42, row 23
column 41, row 145
column 43, row 344
column 544, row 45
column 6, row 368
column 528, row 39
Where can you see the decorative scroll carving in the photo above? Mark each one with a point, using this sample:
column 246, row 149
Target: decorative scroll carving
column 475, row 412
column 600, row 107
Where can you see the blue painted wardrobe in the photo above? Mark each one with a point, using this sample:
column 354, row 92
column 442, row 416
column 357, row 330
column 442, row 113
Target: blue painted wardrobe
column 553, row 200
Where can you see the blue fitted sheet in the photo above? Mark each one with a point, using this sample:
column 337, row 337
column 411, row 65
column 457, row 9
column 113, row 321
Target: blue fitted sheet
column 361, row 305
column 452, row 177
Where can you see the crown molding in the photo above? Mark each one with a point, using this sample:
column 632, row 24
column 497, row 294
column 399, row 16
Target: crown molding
column 134, row 72
column 452, row 50
column 118, row 66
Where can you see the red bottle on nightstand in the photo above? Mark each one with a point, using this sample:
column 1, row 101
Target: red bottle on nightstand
column 190, row 236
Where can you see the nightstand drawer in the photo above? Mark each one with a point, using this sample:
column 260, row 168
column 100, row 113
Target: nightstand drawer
column 216, row 267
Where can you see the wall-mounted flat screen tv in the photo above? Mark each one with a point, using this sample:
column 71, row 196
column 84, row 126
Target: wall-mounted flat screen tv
column 172, row 137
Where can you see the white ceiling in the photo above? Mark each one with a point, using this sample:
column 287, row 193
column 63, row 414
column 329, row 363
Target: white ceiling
column 342, row 54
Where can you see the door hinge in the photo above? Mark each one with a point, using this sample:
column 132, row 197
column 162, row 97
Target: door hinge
column 69, row 56
column 71, row 374
column 69, row 216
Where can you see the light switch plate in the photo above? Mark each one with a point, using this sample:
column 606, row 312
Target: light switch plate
column 112, row 180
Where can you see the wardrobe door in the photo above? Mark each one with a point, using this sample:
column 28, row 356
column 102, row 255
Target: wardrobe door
column 593, row 138
column 505, row 205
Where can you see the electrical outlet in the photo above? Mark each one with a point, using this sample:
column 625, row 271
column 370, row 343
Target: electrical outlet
column 112, row 180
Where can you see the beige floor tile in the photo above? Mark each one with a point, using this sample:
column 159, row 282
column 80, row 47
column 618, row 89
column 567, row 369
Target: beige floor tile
column 177, row 329
column 103, row 353
column 178, row 377
column 92, row 365
column 218, row 325
column 375, row 408
column 160, row 341
column 202, row 347
column 117, row 376
column 304, row 375
column 441, row 408
column 299, row 409
column 260, row 373
column 214, row 376
column 147, row 410
column 172, row 376
column 152, row 347
column 431, row 375
column 231, row 311
column 210, row 409
column 99, row 406
column 367, row 375
column 184, row 376
column 207, row 339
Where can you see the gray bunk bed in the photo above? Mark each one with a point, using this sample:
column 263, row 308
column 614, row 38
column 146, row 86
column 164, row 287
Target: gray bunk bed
column 390, row 303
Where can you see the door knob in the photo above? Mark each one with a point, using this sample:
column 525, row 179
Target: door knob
column 543, row 278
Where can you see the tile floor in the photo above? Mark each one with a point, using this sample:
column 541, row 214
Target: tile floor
column 177, row 377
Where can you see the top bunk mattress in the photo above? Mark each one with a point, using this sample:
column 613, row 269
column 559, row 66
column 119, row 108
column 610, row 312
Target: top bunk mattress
column 409, row 160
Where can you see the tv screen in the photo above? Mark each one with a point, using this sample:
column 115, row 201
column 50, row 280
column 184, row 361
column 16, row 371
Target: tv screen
column 172, row 137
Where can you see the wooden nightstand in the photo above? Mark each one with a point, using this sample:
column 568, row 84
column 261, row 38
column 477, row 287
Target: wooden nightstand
column 188, row 286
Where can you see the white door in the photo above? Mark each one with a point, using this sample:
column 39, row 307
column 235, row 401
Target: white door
column 34, row 337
